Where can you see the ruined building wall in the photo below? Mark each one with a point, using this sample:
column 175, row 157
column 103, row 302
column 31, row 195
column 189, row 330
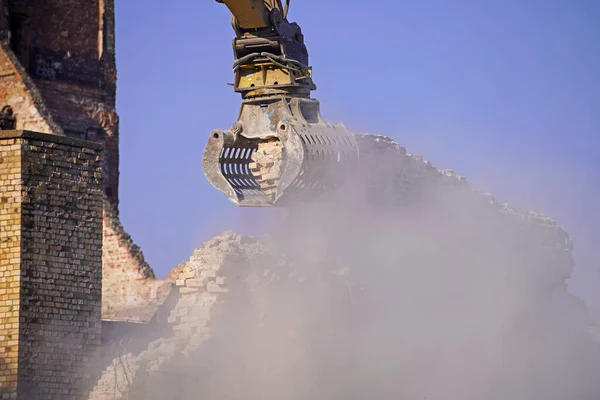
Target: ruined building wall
column 58, row 74
column 131, row 291
column 196, row 292
column 50, row 236
column 67, row 52
column 19, row 92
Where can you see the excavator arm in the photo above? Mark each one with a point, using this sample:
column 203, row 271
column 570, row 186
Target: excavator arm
column 253, row 14
column 270, row 55
column 280, row 149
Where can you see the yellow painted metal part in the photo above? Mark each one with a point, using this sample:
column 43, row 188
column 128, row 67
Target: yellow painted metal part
column 266, row 75
column 249, row 14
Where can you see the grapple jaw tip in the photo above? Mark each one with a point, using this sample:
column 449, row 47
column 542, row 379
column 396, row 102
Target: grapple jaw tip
column 279, row 152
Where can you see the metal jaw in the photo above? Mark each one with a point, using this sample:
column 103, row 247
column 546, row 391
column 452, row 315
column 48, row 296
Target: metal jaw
column 279, row 151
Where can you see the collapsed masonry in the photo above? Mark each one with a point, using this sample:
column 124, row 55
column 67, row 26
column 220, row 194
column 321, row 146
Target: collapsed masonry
column 379, row 292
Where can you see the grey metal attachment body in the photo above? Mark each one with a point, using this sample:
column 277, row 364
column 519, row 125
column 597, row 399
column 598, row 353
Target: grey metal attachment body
column 279, row 151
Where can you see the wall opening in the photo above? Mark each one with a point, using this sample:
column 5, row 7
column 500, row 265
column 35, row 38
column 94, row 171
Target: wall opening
column 94, row 134
column 19, row 36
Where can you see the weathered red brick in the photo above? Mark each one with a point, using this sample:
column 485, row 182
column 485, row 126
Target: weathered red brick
column 58, row 72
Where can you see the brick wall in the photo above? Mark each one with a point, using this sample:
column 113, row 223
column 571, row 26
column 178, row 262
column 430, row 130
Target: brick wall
column 53, row 203
column 86, row 112
column 130, row 290
column 58, row 73
column 19, row 91
column 62, row 80
column 67, row 72
column 186, row 314
column 10, row 253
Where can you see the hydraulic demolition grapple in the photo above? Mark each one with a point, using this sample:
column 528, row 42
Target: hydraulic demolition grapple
column 280, row 149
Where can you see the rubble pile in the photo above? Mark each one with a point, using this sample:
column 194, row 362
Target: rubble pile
column 410, row 284
column 198, row 285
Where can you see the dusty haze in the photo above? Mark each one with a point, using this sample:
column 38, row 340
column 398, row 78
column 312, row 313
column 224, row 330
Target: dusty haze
column 433, row 295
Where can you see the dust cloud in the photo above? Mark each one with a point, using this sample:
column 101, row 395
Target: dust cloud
column 356, row 297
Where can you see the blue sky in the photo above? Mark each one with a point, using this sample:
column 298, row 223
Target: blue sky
column 506, row 93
